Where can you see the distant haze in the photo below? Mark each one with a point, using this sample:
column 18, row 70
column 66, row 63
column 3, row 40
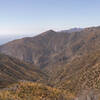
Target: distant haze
column 6, row 38
column 28, row 16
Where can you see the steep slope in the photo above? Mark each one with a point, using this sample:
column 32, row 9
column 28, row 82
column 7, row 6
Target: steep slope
column 52, row 47
column 82, row 72
column 71, row 61
column 13, row 70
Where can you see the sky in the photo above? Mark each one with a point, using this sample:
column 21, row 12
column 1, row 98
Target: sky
column 37, row 16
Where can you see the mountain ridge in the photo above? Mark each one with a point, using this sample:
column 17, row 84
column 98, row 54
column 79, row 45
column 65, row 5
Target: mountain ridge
column 67, row 62
column 44, row 49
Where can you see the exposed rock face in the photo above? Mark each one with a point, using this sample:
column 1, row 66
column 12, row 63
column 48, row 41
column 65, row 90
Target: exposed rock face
column 71, row 61
column 51, row 47
column 89, row 95
column 39, row 50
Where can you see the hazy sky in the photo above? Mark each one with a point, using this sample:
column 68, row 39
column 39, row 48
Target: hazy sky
column 36, row 16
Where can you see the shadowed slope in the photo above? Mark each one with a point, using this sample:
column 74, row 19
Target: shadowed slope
column 12, row 70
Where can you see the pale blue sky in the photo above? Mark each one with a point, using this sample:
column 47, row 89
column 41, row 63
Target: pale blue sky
column 36, row 16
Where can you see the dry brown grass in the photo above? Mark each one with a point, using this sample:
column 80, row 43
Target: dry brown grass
column 33, row 91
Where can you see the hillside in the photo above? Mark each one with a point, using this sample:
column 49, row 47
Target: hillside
column 53, row 47
column 33, row 91
column 68, row 62
column 13, row 70
column 25, row 90
column 82, row 72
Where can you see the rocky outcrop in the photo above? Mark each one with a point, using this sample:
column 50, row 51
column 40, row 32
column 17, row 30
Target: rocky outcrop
column 89, row 95
column 53, row 47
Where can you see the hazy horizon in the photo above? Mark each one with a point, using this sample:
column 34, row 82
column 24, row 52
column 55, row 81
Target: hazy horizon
column 4, row 38
column 37, row 16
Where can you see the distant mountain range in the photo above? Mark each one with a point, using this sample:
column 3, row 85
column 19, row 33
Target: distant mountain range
column 73, row 30
column 6, row 38
column 58, row 60
column 51, row 47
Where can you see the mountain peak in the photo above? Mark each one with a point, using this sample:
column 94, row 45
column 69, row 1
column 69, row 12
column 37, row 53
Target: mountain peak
column 48, row 32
